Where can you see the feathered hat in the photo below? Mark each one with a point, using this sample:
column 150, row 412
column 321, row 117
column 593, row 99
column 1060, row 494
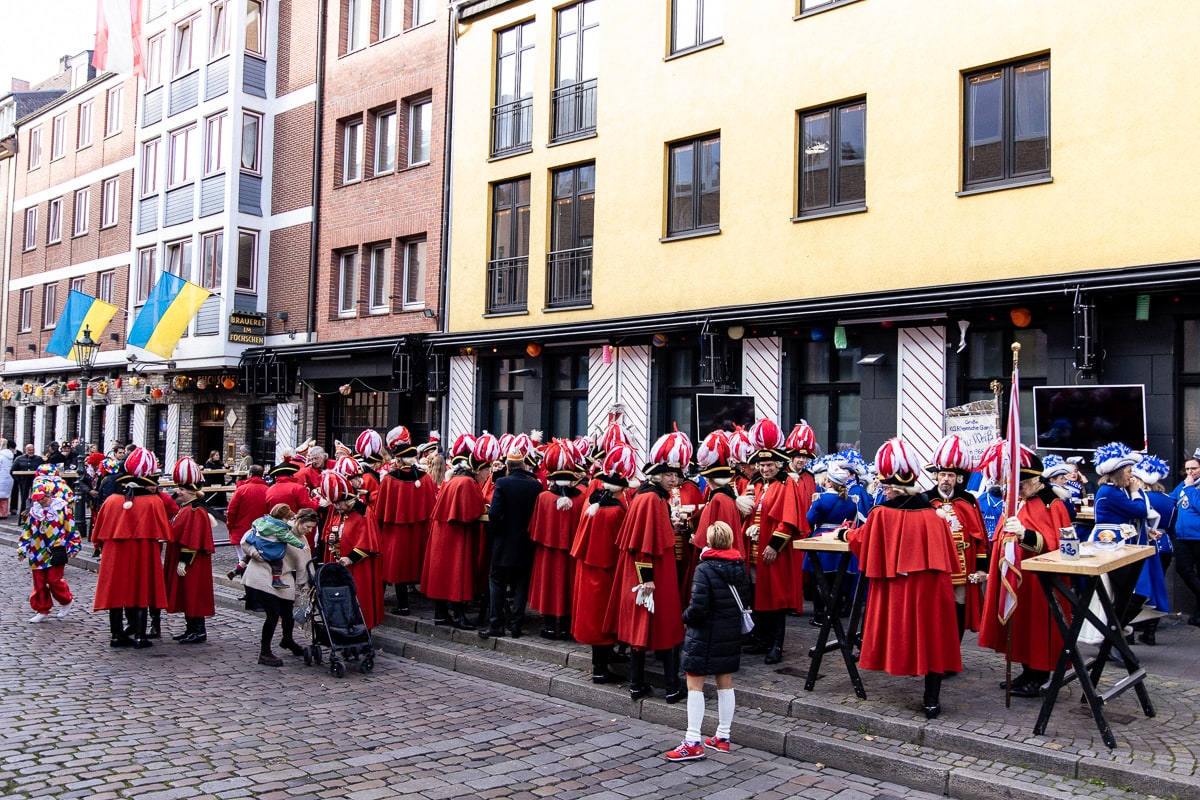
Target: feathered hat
column 334, row 486
column 898, row 465
column 766, row 439
column 1111, row 457
column 1151, row 470
column 584, row 449
column 460, row 451
column 520, row 447
column 853, row 461
column 802, row 441
column 399, row 442
column 671, row 453
column 369, row 445
column 559, row 459
column 741, row 449
column 616, row 434
column 713, row 455
column 142, row 464
column 484, row 450
column 994, row 466
column 287, row 467
column 1053, row 466
column 952, row 455
column 347, row 466
column 620, row 464
column 187, row 474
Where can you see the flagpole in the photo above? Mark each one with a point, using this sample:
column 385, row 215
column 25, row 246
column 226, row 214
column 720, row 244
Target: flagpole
column 1010, row 505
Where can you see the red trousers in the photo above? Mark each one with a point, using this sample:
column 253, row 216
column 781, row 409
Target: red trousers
column 48, row 583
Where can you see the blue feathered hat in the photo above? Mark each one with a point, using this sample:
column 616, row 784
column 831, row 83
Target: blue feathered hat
column 1151, row 470
column 1053, row 466
column 1111, row 457
column 853, row 461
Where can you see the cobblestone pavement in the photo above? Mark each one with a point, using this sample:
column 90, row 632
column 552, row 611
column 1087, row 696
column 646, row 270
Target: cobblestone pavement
column 78, row 719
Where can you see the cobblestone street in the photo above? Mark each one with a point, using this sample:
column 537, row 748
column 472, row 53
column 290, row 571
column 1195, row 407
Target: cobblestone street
column 82, row 720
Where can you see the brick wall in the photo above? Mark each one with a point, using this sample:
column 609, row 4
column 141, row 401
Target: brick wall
column 291, row 184
column 297, row 56
column 289, row 256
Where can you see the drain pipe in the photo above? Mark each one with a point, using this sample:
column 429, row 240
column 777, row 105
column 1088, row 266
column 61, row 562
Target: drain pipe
column 318, row 122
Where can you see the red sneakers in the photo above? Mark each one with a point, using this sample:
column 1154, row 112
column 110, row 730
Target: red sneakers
column 717, row 744
column 687, row 751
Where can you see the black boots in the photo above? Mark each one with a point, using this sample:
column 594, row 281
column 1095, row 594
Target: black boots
column 155, row 631
column 458, row 617
column 777, row 619
column 137, row 626
column 670, row 662
column 600, row 673
column 549, row 627
column 116, row 628
column 933, row 690
column 638, row 688
column 195, row 633
column 1147, row 632
column 402, row 599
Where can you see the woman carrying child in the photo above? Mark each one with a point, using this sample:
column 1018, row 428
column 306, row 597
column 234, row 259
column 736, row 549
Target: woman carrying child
column 262, row 591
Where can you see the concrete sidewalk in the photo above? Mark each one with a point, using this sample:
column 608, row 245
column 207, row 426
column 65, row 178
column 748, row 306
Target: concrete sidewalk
column 976, row 749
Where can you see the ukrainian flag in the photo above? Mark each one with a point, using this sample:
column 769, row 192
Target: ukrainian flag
column 161, row 322
column 82, row 311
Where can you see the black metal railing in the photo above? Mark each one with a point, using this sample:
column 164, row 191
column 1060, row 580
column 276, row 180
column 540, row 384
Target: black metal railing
column 508, row 284
column 512, row 126
column 569, row 277
column 574, row 110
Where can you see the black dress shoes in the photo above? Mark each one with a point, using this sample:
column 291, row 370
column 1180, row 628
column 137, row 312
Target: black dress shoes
column 638, row 692
column 675, row 696
column 605, row 677
column 487, row 633
column 1027, row 689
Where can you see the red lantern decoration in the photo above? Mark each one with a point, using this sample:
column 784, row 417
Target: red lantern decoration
column 72, row 385
column 117, row 383
column 229, row 383
column 533, row 349
column 156, row 393
column 89, row 391
column 1021, row 317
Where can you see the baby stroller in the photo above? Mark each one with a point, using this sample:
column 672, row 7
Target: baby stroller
column 336, row 621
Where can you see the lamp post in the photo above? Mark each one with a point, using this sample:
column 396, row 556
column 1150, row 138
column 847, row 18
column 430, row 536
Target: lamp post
column 84, row 353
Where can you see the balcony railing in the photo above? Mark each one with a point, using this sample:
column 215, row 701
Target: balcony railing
column 574, row 110
column 569, row 278
column 512, row 127
column 508, row 285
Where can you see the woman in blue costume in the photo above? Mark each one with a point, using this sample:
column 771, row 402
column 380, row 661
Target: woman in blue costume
column 1152, row 471
column 833, row 508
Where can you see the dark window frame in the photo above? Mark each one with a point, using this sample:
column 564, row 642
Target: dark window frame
column 1009, row 174
column 700, row 43
column 698, row 226
column 833, row 202
column 573, row 101
column 577, row 372
column 569, row 269
column 834, row 387
column 512, row 120
column 508, row 266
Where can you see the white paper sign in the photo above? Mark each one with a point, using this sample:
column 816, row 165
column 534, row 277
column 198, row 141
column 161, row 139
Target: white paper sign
column 976, row 430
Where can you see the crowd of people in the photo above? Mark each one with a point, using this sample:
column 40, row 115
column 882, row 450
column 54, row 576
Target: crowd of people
column 667, row 553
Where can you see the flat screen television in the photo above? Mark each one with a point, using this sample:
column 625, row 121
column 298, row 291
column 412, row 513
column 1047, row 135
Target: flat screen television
column 1079, row 418
column 722, row 411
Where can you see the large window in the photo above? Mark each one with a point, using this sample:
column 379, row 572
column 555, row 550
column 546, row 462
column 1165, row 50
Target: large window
column 989, row 357
column 35, row 147
column 25, row 324
column 824, row 380
column 577, row 60
column 358, row 17
column 694, row 186
column 79, row 285
column 677, row 381
column 347, row 285
column 54, row 221
column 512, row 114
column 390, row 20
column 420, row 118
column 414, row 275
column 833, row 157
column 83, row 134
column 110, row 196
column 385, row 142
column 380, row 279
column 506, row 394
column 144, row 279
column 255, row 28
column 352, row 152
column 569, row 262
column 422, row 11
column 247, row 260
column 58, row 137
column 184, row 47
column 116, row 103
column 251, row 142
column 218, row 30
column 49, row 305
column 183, row 156
column 31, row 215
column 568, row 387
column 508, row 270
column 179, row 259
column 150, row 167
column 1007, row 126
column 83, row 207
column 695, row 23
column 212, row 247
column 216, row 133
column 154, row 62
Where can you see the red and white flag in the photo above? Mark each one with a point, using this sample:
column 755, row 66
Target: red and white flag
column 1010, row 572
column 119, row 37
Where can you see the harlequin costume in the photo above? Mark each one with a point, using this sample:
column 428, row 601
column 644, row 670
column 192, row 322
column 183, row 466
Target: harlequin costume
column 128, row 528
column 189, row 550
column 48, row 527
column 552, row 529
column 405, row 500
column 357, row 538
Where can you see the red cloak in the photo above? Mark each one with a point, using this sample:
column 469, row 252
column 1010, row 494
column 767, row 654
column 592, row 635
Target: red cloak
column 971, row 544
column 191, row 542
column 595, row 554
column 405, row 500
column 360, row 542
column 777, row 513
column 453, row 554
column 551, row 529
column 805, row 487
column 131, row 574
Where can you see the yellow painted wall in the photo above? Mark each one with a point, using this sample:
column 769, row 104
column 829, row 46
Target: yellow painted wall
column 1124, row 121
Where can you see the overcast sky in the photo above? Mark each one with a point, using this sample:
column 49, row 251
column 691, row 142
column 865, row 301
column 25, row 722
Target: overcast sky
column 36, row 33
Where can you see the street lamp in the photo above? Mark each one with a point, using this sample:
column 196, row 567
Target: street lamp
column 84, row 353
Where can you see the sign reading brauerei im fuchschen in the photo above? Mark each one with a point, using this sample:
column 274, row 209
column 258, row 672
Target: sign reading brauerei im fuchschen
column 247, row 327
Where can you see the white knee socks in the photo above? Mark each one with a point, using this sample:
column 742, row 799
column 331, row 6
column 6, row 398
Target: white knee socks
column 695, row 716
column 725, row 705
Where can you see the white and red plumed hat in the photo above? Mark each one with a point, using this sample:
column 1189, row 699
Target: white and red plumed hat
column 559, row 460
column 994, row 466
column 952, row 455
column 369, row 445
column 187, row 474
column 802, row 441
column 141, row 463
column 505, row 441
column 741, row 449
column 713, row 455
column 766, row 438
column 620, row 464
column 584, row 448
column 519, row 447
column 347, row 466
column 484, row 451
column 460, row 451
column 671, row 453
column 898, row 465
column 334, row 486
column 399, row 442
column 616, row 434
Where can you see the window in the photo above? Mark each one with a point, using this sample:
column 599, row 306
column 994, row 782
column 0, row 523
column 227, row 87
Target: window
column 144, row 279
column 695, row 23
column 419, row 119
column 512, row 115
column 104, row 286
column 255, row 27
column 988, row 357
column 181, row 62
column 577, row 65
column 568, row 384
column 422, row 11
column 112, row 120
column 352, row 152
column 509, row 267
column 385, row 142
column 218, row 30
column 825, row 390
column 179, row 259
column 182, row 156
column 414, row 275
column 58, row 137
column 83, row 136
column 506, row 393
column 212, row 247
column 31, row 215
column 358, row 14
column 1007, row 125
column 79, row 285
column 83, row 206
column 154, row 62
column 251, row 141
column 215, row 138
column 150, row 168
column 54, row 221
column 247, row 260
column 109, row 197
column 35, row 147
column 389, row 19
column 50, row 305
column 833, row 157
column 347, row 288
column 675, row 378
column 820, row 5
column 381, row 259
column 569, row 263
column 694, row 183
column 26, row 322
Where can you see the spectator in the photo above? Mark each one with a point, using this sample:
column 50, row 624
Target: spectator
column 187, row 564
column 249, row 502
column 54, row 455
column 244, row 460
column 286, row 489
column 6, row 478
column 214, row 462
column 28, row 462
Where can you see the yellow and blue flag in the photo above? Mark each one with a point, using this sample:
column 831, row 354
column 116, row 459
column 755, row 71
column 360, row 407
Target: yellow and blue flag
column 169, row 308
column 81, row 311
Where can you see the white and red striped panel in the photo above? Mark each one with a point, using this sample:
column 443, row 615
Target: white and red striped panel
column 171, row 451
column 461, row 395
column 762, row 367
column 285, row 428
column 921, row 376
column 602, row 389
column 138, row 432
column 633, row 393
column 112, row 423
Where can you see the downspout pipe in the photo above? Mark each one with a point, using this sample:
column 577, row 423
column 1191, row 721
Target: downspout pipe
column 314, row 238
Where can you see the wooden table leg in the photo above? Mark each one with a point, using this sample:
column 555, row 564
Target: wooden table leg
column 842, row 641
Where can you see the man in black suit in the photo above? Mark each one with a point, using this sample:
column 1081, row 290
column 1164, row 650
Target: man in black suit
column 512, row 506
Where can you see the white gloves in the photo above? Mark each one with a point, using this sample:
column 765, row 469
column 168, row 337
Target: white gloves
column 745, row 503
column 181, row 569
column 1013, row 525
column 644, row 598
column 752, row 533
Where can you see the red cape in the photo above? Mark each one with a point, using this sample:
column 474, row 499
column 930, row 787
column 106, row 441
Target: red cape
column 453, row 566
column 403, row 509
column 131, row 573
column 191, row 595
column 551, row 529
column 974, row 543
column 595, row 553
column 359, row 532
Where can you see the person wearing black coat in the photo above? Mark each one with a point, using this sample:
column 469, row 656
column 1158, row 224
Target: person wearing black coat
column 712, row 643
column 513, row 501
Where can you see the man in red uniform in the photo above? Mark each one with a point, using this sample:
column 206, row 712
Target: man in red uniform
column 644, row 609
column 127, row 529
column 552, row 528
column 801, row 448
column 406, row 498
column 1036, row 641
column 249, row 502
column 352, row 539
column 369, row 446
column 187, row 562
column 952, row 463
column 287, row 490
column 906, row 551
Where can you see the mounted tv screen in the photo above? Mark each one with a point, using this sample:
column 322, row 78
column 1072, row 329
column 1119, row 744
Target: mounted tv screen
column 722, row 411
column 1084, row 417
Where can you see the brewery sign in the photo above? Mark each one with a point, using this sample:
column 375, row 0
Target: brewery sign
column 248, row 327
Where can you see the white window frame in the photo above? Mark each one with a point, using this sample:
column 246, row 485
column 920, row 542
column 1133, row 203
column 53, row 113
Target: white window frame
column 423, row 12
column 252, row 284
column 347, row 302
column 414, row 303
column 385, row 141
column 105, row 285
column 216, row 145
column 380, row 273
column 31, row 219
column 49, row 306
column 150, row 167
column 218, row 29
column 154, row 61
column 390, row 23
column 179, row 258
column 35, row 147
column 58, row 137
column 420, row 124
column 110, row 197
column 54, row 221
column 212, row 269
column 183, row 53
column 143, row 278
column 114, row 110
column 352, row 152
column 259, row 47
column 25, row 324
column 79, row 285
column 181, row 156
column 358, row 25
column 255, row 167
column 83, row 208
column 83, row 136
